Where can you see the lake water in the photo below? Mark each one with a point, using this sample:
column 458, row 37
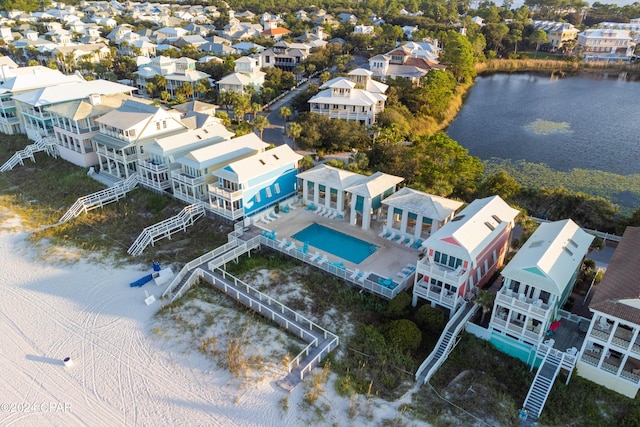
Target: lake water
column 588, row 121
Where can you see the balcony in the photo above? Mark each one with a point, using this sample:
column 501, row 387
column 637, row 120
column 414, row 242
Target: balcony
column 7, row 103
column 455, row 277
column 187, row 179
column 224, row 193
column 435, row 293
column 9, row 120
column 537, row 308
column 600, row 333
column 110, row 154
column 152, row 166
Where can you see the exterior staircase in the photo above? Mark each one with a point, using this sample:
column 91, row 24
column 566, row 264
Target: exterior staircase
column 166, row 228
column 446, row 343
column 100, row 198
column 552, row 361
column 47, row 144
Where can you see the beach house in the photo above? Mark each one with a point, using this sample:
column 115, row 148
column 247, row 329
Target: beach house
column 248, row 186
column 461, row 256
column 536, row 284
column 610, row 354
column 194, row 171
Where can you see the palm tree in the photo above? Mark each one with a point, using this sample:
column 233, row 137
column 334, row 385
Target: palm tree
column 485, row 301
column 285, row 112
column 187, row 89
column 150, row 88
column 293, row 131
column 160, row 81
column 261, row 123
column 255, row 109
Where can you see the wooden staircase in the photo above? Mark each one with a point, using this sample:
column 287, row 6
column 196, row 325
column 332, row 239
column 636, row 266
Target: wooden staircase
column 47, row 144
column 166, row 228
column 100, row 198
column 446, row 343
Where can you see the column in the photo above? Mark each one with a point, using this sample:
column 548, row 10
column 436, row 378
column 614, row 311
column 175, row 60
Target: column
column 353, row 216
column 418, row 231
column 327, row 196
column 366, row 213
column 305, row 191
column 403, row 222
column 316, row 193
column 340, row 201
column 390, row 215
column 435, row 225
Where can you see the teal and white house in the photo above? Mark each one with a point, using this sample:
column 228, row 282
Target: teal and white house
column 254, row 184
column 537, row 283
column 414, row 215
column 348, row 194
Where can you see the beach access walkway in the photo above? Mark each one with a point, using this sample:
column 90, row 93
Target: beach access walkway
column 210, row 268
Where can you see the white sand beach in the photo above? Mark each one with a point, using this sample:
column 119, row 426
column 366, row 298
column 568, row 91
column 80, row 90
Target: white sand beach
column 122, row 374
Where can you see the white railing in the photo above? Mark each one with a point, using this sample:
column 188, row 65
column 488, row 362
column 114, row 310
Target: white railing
column 42, row 144
column 166, row 228
column 446, row 342
column 100, row 198
column 282, row 315
column 527, row 305
column 343, row 273
column 192, row 265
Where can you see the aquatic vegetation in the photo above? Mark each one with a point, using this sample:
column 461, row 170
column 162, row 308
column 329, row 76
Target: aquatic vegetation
column 547, row 127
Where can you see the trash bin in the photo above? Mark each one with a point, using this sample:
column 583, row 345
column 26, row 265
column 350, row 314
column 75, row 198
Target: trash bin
column 67, row 361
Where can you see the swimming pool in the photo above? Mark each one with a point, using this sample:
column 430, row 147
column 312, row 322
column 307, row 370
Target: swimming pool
column 336, row 243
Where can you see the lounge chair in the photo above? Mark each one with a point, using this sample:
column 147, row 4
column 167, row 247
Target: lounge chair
column 319, row 211
column 417, row 244
column 292, row 207
column 383, row 233
column 284, row 209
column 408, row 242
column 291, row 246
column 402, row 274
column 274, row 215
column 310, row 207
column 333, row 215
column 326, row 213
column 355, row 274
column 364, row 276
column 392, row 236
column 323, row 260
column 283, row 243
column 314, row 257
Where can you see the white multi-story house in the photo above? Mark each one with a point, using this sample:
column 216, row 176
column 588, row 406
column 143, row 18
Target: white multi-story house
column 461, row 256
column 127, row 131
column 342, row 99
column 410, row 61
column 610, row 354
column 537, row 283
column 74, row 126
column 603, row 44
column 32, row 105
column 363, row 29
column 15, row 81
column 558, row 33
column 287, row 56
column 247, row 74
column 156, row 171
column 177, row 72
column 195, row 171
column 633, row 26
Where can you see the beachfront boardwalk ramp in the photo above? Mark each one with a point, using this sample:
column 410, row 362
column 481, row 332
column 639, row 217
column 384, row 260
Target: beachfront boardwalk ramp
column 47, row 144
column 166, row 228
column 446, row 343
column 100, row 198
column 320, row 342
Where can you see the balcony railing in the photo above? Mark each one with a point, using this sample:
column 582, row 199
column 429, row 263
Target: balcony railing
column 435, row 270
column 149, row 165
column 187, row 179
column 225, row 193
column 527, row 305
column 600, row 334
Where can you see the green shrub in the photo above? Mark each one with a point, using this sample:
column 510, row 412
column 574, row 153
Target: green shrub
column 431, row 318
column 399, row 306
column 403, row 334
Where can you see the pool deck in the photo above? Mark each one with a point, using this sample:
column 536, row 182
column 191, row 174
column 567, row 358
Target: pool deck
column 386, row 262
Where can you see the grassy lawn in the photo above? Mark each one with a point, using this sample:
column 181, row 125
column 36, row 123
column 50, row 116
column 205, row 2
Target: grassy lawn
column 40, row 193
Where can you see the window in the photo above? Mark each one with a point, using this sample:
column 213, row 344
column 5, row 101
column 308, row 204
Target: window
column 258, row 197
column 268, row 191
column 277, row 187
column 157, row 125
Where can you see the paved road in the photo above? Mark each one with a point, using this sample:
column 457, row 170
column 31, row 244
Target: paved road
column 274, row 134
